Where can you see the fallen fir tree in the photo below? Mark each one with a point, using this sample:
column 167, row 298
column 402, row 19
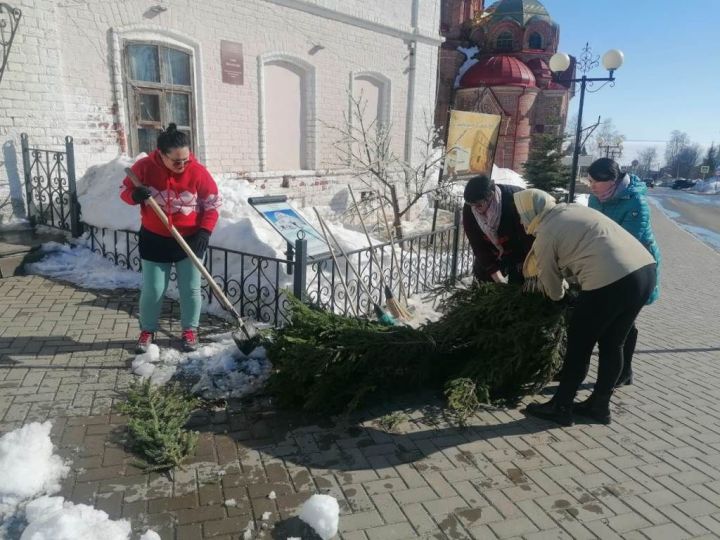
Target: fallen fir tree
column 502, row 342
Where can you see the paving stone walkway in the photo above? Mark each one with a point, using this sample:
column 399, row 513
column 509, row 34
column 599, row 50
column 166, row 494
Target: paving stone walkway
column 653, row 474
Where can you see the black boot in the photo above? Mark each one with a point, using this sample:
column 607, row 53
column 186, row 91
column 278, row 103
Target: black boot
column 553, row 411
column 596, row 408
column 626, row 379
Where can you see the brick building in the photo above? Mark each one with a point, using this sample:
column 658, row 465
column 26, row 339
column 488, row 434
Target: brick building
column 495, row 61
column 258, row 84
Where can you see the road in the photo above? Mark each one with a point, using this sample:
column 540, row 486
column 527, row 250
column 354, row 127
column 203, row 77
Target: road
column 697, row 214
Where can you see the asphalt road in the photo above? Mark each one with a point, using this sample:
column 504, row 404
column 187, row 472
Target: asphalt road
column 697, row 214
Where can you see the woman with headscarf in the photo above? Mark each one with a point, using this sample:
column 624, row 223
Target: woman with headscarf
column 616, row 277
column 623, row 198
column 496, row 236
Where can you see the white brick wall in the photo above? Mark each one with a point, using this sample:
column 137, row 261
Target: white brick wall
column 63, row 71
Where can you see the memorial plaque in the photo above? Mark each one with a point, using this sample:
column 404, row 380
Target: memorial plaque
column 231, row 58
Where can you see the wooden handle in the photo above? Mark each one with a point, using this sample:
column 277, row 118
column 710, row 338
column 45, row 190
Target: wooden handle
column 152, row 203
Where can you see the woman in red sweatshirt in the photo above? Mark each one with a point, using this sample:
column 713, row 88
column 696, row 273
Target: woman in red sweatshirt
column 189, row 196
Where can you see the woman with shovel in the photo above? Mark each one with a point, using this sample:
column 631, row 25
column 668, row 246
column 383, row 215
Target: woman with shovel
column 188, row 195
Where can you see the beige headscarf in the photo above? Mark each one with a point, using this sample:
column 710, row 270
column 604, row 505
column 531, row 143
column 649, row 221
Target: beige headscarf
column 532, row 205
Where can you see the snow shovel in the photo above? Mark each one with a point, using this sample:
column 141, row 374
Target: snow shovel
column 247, row 338
column 383, row 317
column 397, row 310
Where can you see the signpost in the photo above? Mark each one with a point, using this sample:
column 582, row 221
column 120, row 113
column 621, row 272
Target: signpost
column 289, row 223
column 704, row 170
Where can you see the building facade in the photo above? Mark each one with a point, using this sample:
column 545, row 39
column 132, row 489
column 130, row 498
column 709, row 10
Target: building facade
column 495, row 60
column 259, row 85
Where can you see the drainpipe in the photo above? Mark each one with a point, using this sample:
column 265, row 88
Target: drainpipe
column 412, row 77
column 517, row 121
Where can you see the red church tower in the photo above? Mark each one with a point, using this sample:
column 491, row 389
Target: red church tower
column 510, row 44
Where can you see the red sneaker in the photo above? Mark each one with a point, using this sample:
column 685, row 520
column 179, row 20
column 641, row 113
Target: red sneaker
column 189, row 340
column 144, row 341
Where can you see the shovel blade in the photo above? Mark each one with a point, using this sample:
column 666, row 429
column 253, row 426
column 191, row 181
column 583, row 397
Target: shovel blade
column 247, row 338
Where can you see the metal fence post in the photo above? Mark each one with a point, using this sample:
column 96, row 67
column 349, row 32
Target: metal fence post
column 25, row 145
column 300, row 273
column 76, row 227
column 290, row 254
column 456, row 244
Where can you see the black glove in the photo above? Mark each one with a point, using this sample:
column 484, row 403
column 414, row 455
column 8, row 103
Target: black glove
column 140, row 194
column 199, row 242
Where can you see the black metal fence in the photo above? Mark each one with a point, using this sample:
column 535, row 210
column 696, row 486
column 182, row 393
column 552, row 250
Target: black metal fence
column 50, row 190
column 258, row 286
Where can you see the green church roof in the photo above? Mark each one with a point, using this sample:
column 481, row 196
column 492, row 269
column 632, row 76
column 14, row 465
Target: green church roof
column 520, row 10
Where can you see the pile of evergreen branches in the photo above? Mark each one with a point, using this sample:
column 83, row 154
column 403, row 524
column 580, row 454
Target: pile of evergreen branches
column 495, row 339
column 157, row 418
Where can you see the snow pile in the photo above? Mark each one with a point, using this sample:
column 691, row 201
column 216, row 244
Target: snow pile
column 51, row 518
column 508, row 177
column 322, row 513
column 28, row 466
column 99, row 196
column 469, row 62
column 711, row 185
column 219, row 369
column 78, row 264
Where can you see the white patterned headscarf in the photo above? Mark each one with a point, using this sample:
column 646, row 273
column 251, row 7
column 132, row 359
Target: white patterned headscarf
column 489, row 221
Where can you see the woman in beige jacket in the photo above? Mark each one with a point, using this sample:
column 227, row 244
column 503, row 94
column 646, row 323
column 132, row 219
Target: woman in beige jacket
column 616, row 275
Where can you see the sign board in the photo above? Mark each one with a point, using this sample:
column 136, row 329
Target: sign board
column 472, row 140
column 231, row 60
column 289, row 223
column 705, row 169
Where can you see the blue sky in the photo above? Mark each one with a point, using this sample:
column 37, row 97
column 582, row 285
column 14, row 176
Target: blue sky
column 671, row 76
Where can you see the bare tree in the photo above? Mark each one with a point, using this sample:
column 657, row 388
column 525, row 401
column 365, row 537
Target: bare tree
column 366, row 146
column 647, row 158
column 607, row 141
column 677, row 143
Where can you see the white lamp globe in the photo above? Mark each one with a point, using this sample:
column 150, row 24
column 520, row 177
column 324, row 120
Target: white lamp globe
column 559, row 62
column 613, row 59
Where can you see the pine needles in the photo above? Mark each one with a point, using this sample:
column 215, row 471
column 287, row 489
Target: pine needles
column 494, row 344
column 158, row 415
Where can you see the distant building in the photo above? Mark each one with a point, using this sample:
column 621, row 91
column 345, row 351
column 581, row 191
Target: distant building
column 510, row 44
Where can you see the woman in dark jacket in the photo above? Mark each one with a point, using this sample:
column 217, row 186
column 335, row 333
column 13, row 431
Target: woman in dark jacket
column 496, row 235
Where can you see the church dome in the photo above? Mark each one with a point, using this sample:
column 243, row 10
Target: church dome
column 498, row 70
column 521, row 11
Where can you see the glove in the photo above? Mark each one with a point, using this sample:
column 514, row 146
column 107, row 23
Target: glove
column 140, row 194
column 199, row 242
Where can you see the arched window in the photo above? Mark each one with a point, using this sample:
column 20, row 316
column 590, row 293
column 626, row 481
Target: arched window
column 535, row 41
column 371, row 93
column 160, row 91
column 504, row 42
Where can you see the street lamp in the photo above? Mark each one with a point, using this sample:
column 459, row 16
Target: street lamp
column 559, row 63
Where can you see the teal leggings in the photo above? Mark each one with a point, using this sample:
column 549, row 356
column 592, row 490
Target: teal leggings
column 156, row 277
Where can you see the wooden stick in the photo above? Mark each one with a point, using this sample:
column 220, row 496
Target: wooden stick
column 400, row 311
column 396, row 264
column 334, row 260
column 347, row 259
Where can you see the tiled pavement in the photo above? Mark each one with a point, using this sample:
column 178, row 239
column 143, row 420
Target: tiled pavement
column 654, row 473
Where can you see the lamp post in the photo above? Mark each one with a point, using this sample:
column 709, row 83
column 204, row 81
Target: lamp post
column 559, row 63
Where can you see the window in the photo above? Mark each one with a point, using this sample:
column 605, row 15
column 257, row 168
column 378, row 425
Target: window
column 160, row 91
column 504, row 42
column 535, row 41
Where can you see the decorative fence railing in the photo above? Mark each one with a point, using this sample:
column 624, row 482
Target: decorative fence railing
column 258, row 286
column 50, row 191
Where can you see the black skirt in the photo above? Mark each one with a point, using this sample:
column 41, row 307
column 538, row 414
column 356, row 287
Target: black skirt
column 160, row 249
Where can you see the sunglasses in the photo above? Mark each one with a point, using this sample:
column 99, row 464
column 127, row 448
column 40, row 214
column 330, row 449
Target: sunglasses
column 178, row 162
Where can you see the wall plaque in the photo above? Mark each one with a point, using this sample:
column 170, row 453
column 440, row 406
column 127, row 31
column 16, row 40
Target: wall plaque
column 231, row 58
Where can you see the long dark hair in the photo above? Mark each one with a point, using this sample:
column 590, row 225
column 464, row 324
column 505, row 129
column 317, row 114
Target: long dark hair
column 605, row 170
column 171, row 138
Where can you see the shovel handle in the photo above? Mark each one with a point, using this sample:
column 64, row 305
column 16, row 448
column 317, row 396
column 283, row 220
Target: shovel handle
column 152, row 203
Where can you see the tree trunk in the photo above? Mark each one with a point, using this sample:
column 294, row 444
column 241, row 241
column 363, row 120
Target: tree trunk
column 397, row 222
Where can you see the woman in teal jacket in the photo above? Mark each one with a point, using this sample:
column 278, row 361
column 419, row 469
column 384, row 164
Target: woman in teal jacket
column 623, row 198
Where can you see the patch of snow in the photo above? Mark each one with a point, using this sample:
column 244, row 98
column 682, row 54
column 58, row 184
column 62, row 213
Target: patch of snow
column 266, row 516
column 79, row 265
column 322, row 513
column 469, row 62
column 28, row 467
column 52, row 518
column 150, row 535
column 582, row 198
column 230, row 502
column 508, row 177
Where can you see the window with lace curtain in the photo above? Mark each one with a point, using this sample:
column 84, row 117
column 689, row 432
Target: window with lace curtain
column 159, row 81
